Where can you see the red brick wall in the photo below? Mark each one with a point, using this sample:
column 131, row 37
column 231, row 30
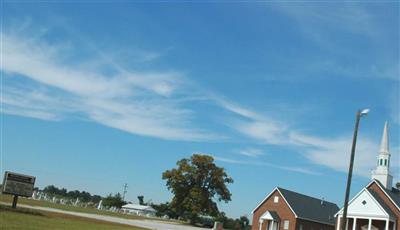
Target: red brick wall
column 309, row 225
column 392, row 207
column 281, row 208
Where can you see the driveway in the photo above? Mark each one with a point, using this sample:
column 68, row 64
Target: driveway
column 150, row 224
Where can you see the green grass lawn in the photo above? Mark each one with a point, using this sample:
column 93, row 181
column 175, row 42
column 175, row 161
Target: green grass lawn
column 22, row 218
column 41, row 203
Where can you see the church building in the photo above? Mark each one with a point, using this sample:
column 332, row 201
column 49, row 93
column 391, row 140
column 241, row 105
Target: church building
column 287, row 210
column 377, row 205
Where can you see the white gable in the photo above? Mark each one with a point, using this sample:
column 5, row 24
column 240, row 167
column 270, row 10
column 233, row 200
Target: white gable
column 267, row 216
column 365, row 205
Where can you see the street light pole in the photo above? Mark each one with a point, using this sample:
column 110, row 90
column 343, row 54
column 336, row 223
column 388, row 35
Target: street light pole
column 350, row 174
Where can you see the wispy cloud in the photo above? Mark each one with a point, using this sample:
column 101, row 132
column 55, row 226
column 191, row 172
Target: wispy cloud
column 330, row 25
column 318, row 18
column 329, row 152
column 335, row 152
column 143, row 103
column 256, row 125
column 266, row 164
column 148, row 103
column 251, row 152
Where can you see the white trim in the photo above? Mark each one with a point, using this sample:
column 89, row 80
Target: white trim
column 267, row 216
column 369, row 224
column 340, row 210
column 354, row 223
column 373, row 217
column 266, row 198
column 338, row 223
column 373, row 198
column 384, row 190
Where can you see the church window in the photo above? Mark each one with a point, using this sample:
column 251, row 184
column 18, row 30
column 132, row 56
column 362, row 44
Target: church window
column 381, row 162
column 385, row 162
column 276, row 199
column 286, row 224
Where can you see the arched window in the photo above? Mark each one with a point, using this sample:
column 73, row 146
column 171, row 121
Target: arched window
column 381, row 162
column 385, row 162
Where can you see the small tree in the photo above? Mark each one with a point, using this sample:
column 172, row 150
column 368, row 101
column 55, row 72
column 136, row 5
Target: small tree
column 197, row 183
column 113, row 201
column 244, row 222
column 141, row 200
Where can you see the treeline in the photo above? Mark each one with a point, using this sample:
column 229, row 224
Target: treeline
column 241, row 223
column 83, row 196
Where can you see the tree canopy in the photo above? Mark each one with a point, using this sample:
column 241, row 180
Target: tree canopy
column 113, row 201
column 62, row 192
column 141, row 200
column 197, row 183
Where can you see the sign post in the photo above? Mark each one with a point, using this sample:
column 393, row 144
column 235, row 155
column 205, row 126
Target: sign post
column 18, row 185
column 15, row 200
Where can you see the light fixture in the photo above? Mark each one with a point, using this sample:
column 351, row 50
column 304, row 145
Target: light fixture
column 364, row 112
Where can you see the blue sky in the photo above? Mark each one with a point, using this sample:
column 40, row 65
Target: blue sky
column 98, row 94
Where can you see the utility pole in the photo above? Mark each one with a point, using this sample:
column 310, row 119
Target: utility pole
column 125, row 190
column 350, row 174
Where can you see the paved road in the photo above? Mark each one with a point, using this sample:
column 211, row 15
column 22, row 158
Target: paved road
column 151, row 224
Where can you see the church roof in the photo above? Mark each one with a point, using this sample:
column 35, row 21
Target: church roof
column 306, row 207
column 310, row 208
column 382, row 203
column 393, row 194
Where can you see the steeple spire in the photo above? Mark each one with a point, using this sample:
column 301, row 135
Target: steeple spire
column 385, row 140
column 382, row 172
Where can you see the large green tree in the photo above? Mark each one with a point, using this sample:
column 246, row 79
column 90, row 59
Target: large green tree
column 197, row 183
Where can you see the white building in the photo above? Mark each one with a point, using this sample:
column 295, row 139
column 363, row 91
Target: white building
column 137, row 209
column 377, row 205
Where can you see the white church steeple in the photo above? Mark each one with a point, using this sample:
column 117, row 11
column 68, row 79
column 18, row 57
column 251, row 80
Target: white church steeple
column 382, row 173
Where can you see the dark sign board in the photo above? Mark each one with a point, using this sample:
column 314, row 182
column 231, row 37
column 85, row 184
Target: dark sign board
column 18, row 184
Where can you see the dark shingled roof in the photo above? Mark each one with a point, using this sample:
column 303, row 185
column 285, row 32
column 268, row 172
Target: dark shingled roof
column 275, row 215
column 310, row 208
column 382, row 203
column 393, row 193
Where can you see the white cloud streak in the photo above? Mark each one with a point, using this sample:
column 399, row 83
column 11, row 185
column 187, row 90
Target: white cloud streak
column 148, row 104
column 266, row 164
column 251, row 152
column 142, row 103
column 329, row 152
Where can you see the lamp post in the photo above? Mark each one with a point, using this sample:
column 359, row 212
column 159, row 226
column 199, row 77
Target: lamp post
column 360, row 113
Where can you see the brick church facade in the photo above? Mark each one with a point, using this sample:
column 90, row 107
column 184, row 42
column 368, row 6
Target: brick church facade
column 287, row 210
